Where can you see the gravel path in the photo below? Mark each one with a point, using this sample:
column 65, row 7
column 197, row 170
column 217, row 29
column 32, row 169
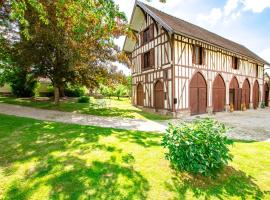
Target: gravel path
column 248, row 125
column 83, row 119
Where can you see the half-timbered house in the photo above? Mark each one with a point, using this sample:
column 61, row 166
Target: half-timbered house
column 180, row 68
column 267, row 90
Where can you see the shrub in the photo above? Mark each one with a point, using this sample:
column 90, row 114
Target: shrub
column 120, row 91
column 106, row 91
column 22, row 84
column 198, row 147
column 84, row 99
column 74, row 91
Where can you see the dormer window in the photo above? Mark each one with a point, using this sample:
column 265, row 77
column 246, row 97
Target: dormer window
column 198, row 55
column 147, row 34
column 257, row 71
column 235, row 62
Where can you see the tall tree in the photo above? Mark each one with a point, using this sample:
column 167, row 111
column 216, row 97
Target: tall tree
column 67, row 41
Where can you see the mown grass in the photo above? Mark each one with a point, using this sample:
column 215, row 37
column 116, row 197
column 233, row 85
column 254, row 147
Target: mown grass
column 113, row 107
column 47, row 160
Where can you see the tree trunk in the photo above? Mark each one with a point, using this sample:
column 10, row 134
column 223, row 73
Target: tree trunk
column 62, row 91
column 56, row 95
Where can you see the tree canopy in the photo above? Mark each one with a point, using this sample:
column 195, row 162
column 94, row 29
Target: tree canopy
column 66, row 41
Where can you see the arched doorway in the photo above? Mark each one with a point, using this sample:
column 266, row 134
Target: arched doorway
column 256, row 95
column 266, row 94
column 235, row 94
column 219, row 94
column 140, row 95
column 246, row 93
column 197, row 94
column 159, row 95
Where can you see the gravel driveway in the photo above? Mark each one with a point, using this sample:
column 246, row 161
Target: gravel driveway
column 248, row 125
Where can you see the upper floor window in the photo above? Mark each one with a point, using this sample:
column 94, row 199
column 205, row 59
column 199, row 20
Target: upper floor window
column 257, row 71
column 148, row 34
column 198, row 55
column 148, row 59
column 235, row 62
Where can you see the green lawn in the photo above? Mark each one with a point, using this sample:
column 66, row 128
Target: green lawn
column 46, row 160
column 113, row 107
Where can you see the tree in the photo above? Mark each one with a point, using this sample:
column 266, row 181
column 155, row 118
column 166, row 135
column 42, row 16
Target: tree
column 63, row 45
column 120, row 91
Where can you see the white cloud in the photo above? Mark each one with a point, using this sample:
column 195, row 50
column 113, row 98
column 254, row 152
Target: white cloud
column 232, row 10
column 214, row 16
column 256, row 6
column 230, row 6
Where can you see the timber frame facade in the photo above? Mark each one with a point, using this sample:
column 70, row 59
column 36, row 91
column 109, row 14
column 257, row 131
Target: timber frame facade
column 181, row 74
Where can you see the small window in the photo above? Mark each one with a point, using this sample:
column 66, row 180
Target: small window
column 198, row 55
column 165, row 74
column 146, row 58
column 146, row 35
column 257, row 71
column 234, row 62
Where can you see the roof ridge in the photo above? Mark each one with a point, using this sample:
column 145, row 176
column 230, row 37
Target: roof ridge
column 152, row 9
column 192, row 24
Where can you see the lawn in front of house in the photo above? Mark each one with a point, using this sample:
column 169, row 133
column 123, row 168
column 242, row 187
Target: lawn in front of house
column 99, row 107
column 47, row 160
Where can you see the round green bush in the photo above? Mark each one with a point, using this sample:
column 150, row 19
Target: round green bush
column 84, row 99
column 198, row 147
column 74, row 91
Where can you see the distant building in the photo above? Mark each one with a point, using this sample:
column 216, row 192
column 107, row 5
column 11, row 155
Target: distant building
column 179, row 68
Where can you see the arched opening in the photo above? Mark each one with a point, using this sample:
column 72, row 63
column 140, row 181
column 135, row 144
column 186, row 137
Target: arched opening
column 235, row 95
column 140, row 95
column 197, row 94
column 246, row 93
column 219, row 94
column 159, row 95
column 266, row 94
column 256, row 95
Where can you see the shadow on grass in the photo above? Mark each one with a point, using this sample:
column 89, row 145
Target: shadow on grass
column 230, row 183
column 59, row 150
column 101, row 180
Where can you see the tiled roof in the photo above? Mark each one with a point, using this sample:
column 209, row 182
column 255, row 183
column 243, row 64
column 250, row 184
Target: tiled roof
column 183, row 27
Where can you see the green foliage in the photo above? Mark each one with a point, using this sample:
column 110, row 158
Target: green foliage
column 120, row 91
column 74, row 91
column 84, row 99
column 106, row 91
column 262, row 104
column 22, row 84
column 46, row 160
column 198, row 147
column 62, row 45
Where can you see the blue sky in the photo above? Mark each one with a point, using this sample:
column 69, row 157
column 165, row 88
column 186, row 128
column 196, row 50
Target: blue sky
column 244, row 21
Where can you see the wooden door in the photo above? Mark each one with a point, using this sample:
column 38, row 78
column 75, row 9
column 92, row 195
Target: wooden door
column 235, row 94
column 159, row 95
column 246, row 93
column 256, row 95
column 197, row 94
column 266, row 94
column 140, row 95
column 219, row 94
